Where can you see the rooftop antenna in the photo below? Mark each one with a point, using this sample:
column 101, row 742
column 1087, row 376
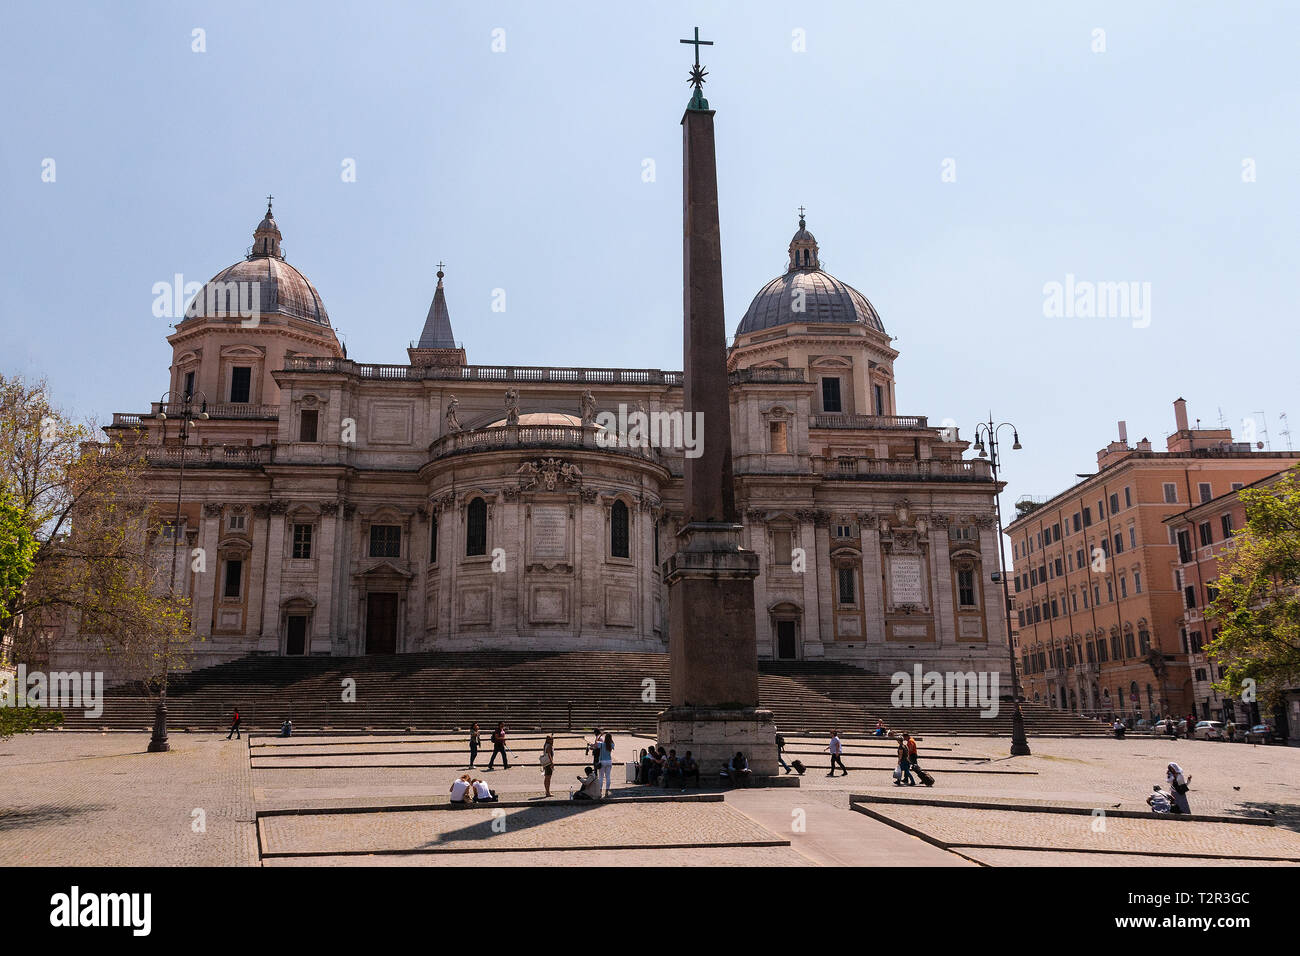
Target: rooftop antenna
column 1223, row 422
column 1286, row 429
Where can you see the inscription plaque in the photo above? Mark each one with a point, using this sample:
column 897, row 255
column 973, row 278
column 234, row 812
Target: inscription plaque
column 905, row 585
column 550, row 531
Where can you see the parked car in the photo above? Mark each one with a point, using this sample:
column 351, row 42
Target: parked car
column 1208, row 730
column 1259, row 734
column 1161, row 727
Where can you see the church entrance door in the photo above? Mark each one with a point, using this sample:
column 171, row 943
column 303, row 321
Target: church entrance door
column 785, row 649
column 295, row 636
column 381, row 624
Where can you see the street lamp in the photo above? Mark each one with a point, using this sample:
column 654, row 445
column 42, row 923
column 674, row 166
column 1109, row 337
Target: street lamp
column 158, row 742
column 988, row 431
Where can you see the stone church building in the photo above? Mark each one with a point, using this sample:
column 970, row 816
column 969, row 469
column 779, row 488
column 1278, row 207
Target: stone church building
column 348, row 508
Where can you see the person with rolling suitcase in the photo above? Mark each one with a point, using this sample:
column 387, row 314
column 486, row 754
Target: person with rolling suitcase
column 924, row 777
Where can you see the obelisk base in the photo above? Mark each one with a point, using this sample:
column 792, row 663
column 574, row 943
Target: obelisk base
column 713, row 736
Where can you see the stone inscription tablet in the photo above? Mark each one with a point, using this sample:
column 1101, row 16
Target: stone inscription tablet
column 550, row 531
column 905, row 579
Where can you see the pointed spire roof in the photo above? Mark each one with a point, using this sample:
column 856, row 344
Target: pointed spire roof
column 266, row 237
column 437, row 324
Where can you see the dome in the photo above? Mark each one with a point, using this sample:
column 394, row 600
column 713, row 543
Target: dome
column 263, row 282
column 824, row 298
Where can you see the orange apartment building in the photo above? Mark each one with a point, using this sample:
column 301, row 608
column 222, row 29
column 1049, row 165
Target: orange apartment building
column 1203, row 534
column 1095, row 588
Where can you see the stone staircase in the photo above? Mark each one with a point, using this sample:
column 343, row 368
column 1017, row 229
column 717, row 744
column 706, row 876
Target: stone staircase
column 553, row 691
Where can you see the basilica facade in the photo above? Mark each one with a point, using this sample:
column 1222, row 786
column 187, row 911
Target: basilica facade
column 331, row 506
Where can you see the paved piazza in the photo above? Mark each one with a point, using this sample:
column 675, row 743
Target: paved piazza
column 74, row 798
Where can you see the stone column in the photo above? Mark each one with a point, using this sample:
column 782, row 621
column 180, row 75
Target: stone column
column 873, row 590
column 815, row 571
column 206, row 584
column 269, row 632
column 328, row 621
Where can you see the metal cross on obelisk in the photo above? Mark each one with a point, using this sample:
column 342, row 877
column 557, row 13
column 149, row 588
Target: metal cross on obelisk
column 698, row 73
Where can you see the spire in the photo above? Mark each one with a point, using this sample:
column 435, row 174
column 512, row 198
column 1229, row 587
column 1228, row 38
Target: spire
column 266, row 237
column 437, row 324
column 803, row 247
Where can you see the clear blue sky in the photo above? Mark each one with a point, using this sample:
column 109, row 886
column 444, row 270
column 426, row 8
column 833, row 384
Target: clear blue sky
column 523, row 171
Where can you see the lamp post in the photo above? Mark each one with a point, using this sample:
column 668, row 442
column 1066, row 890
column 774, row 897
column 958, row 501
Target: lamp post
column 988, row 431
column 158, row 742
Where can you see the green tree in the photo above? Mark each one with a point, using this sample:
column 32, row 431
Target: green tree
column 17, row 550
column 1258, row 601
column 95, row 569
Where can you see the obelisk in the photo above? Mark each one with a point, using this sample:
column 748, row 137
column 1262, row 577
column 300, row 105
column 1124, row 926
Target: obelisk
column 712, row 647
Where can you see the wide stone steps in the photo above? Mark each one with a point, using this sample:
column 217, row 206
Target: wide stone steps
column 438, row 691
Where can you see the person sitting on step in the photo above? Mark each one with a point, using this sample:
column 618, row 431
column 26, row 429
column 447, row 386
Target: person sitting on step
column 690, row 769
column 462, row 791
column 643, row 767
column 590, row 788
column 1159, row 801
column 738, row 771
column 482, row 793
column 672, row 768
column 286, row 728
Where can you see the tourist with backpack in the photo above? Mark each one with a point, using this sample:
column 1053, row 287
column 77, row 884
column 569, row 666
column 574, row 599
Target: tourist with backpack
column 499, row 747
column 780, row 749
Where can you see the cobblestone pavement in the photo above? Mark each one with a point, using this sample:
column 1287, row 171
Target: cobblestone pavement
column 1109, row 861
column 87, row 798
column 958, row 827
column 99, row 799
column 540, row 827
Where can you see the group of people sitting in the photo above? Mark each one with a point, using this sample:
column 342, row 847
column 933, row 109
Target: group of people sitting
column 466, row 789
column 663, row 769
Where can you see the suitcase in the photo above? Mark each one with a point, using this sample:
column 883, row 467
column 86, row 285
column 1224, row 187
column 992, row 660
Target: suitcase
column 925, row 777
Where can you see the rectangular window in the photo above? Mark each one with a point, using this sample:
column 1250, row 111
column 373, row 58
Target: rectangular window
column 1225, row 523
column 1204, row 488
column 1087, row 517
column 1056, row 532
column 234, row 578
column 1123, row 586
column 385, row 541
column 1203, row 530
column 1119, row 544
column 1085, row 599
column 1017, row 584
column 1055, row 608
column 1077, row 525
column 1171, row 493
column 241, row 383
column 1058, row 567
column 1189, row 595
column 844, row 531
column 1237, row 486
column 880, row 402
column 1211, row 592
column 1101, row 509
column 781, row 547
column 433, row 540
column 1128, row 498
column 846, row 583
column 189, row 385
column 1074, row 600
column 1110, row 590
column 1114, row 503
column 1033, row 577
column 831, row 395
column 302, row 541
column 1196, row 642
column 776, row 430
column 307, row 425
column 1184, row 547
column 1132, row 536
column 1080, row 559
column 237, row 522
column 1137, row 582
column 966, row 588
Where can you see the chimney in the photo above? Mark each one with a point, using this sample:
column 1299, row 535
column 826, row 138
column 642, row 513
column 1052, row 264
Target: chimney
column 1123, row 432
column 1180, row 415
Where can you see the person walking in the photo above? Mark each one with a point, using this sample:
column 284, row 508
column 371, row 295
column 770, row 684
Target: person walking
column 234, row 726
column 499, row 747
column 905, row 777
column 473, row 744
column 1179, row 784
column 548, row 761
column 836, row 749
column 780, row 749
column 606, row 752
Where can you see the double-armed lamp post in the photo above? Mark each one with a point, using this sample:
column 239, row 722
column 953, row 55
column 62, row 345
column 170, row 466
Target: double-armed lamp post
column 987, row 432
column 158, row 743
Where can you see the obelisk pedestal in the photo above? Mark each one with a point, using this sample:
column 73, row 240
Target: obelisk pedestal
column 712, row 644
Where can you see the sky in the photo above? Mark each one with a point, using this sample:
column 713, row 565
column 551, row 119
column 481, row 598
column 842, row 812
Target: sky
column 955, row 160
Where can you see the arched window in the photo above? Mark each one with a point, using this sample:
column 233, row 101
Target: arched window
column 476, row 527
column 619, row 545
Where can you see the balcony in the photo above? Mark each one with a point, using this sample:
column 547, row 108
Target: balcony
column 775, row 376
column 532, row 436
column 880, row 469
column 194, row 456
column 485, row 373
column 869, row 422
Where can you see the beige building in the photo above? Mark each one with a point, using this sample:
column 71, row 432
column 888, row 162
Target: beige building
column 1096, row 582
column 338, row 507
